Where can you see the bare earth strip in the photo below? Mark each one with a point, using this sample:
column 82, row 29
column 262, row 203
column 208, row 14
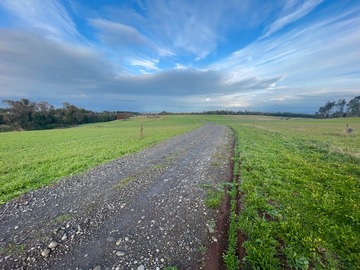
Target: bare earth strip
column 142, row 211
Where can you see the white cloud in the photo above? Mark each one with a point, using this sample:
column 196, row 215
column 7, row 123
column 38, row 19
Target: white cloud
column 184, row 26
column 48, row 17
column 292, row 12
column 148, row 64
column 118, row 34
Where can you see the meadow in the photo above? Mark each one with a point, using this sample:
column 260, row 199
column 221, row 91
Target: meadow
column 300, row 194
column 32, row 159
column 295, row 193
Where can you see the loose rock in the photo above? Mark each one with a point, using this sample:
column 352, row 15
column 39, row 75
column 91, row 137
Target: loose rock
column 53, row 244
column 120, row 253
column 45, row 253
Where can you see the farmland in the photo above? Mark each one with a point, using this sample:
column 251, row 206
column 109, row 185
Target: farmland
column 33, row 159
column 299, row 188
column 295, row 193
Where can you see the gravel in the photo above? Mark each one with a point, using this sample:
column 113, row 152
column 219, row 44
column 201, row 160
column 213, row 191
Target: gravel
column 141, row 211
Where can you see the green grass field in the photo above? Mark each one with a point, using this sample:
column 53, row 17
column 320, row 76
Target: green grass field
column 299, row 180
column 32, row 159
column 300, row 186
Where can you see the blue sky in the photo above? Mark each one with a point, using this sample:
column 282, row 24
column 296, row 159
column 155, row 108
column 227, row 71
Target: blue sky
column 180, row 55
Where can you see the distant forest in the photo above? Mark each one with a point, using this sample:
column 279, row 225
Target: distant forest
column 27, row 115
column 340, row 108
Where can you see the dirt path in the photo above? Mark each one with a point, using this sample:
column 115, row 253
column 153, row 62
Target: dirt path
column 142, row 211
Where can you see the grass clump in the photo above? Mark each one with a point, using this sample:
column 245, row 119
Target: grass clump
column 63, row 218
column 214, row 195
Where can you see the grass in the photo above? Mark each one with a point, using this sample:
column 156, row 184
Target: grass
column 299, row 180
column 13, row 249
column 30, row 160
column 214, row 195
column 124, row 182
column 62, row 218
column 300, row 184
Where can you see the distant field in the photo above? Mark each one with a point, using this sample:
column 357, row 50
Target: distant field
column 29, row 160
column 300, row 186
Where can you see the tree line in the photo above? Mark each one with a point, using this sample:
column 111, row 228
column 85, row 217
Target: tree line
column 340, row 108
column 27, row 115
column 230, row 112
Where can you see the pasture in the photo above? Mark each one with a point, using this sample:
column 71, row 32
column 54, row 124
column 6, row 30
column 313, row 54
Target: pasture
column 300, row 193
column 32, row 159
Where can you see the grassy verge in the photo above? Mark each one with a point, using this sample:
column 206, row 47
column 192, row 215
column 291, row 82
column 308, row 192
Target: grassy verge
column 231, row 259
column 300, row 182
column 33, row 159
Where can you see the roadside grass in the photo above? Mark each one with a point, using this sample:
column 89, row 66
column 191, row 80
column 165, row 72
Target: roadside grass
column 300, row 186
column 32, row 159
column 230, row 257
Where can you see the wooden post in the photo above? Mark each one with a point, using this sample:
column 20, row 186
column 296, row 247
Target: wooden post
column 141, row 131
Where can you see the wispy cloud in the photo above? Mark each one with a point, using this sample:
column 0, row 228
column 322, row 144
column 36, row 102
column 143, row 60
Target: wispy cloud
column 313, row 60
column 119, row 34
column 292, row 11
column 144, row 57
column 47, row 17
column 184, row 26
column 148, row 64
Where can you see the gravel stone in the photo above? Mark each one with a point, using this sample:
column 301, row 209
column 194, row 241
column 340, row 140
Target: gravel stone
column 120, row 253
column 45, row 253
column 53, row 244
column 110, row 239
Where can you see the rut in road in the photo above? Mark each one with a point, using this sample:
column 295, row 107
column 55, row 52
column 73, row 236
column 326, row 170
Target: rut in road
column 141, row 211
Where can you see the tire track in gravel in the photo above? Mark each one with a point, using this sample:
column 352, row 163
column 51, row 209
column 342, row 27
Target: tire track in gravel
column 141, row 211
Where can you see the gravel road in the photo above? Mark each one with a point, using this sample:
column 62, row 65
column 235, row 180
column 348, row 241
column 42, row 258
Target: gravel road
column 141, row 211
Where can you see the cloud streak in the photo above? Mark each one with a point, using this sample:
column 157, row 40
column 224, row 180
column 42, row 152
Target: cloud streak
column 292, row 12
column 47, row 17
column 153, row 56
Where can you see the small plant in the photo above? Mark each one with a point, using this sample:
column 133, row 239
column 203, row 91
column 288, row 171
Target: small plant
column 171, row 268
column 12, row 249
column 63, row 218
column 124, row 182
column 214, row 195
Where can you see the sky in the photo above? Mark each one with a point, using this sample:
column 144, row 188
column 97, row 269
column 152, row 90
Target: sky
column 181, row 55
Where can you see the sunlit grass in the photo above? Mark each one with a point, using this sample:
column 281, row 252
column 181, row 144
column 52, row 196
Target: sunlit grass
column 32, row 159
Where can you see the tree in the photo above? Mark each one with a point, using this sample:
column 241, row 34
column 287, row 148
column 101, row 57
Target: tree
column 22, row 112
column 72, row 114
column 353, row 107
column 44, row 115
column 340, row 105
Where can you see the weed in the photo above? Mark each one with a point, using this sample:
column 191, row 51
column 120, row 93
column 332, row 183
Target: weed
column 202, row 250
column 124, row 182
column 214, row 195
column 13, row 249
column 63, row 218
